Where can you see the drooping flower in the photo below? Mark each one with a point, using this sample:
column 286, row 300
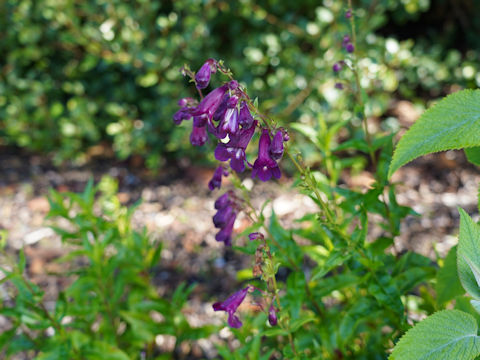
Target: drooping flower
column 234, row 150
column 276, row 148
column 202, row 78
column 272, row 315
column 198, row 137
column 222, row 201
column 225, row 233
column 265, row 167
column 245, row 117
column 223, row 216
column 216, row 181
column 230, row 121
column 211, row 102
column 185, row 112
column 231, row 305
column 224, row 219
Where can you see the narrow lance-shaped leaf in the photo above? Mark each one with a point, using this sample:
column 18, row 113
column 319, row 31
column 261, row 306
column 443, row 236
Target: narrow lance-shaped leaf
column 447, row 334
column 453, row 123
column 468, row 255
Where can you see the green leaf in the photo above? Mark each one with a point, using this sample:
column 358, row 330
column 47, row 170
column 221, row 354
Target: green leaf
column 447, row 334
column 468, row 255
column 453, row 123
column 448, row 284
column 473, row 155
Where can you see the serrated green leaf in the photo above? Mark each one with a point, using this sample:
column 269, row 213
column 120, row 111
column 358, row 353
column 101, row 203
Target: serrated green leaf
column 468, row 254
column 447, row 334
column 453, row 123
column 473, row 155
column 448, row 284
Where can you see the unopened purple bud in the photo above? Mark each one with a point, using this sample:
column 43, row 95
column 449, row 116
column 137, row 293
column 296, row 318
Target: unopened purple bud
column 339, row 86
column 346, row 40
column 336, row 67
column 232, row 85
column 198, row 137
column 276, row 147
column 350, row 48
column 202, row 78
column 184, row 102
column 348, row 14
column 286, row 137
column 255, row 236
column 272, row 315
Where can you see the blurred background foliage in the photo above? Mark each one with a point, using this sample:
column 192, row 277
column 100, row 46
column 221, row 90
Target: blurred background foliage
column 75, row 74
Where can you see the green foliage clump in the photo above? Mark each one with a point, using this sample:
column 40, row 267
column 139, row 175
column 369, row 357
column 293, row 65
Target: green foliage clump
column 107, row 312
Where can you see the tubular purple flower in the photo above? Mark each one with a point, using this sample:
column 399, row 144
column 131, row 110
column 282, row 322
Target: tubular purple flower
column 202, row 78
column 216, row 181
column 223, row 217
column 211, row 102
column 198, row 137
column 222, row 201
column 229, row 123
column 245, row 117
column 272, row 315
column 276, row 148
column 265, row 167
column 234, row 150
column 231, row 305
column 225, row 233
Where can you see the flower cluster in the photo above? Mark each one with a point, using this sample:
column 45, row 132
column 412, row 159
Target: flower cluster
column 226, row 114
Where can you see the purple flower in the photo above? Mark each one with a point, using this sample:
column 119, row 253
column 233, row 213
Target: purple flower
column 231, row 305
column 211, row 102
column 276, row 148
column 346, row 40
column 185, row 112
column 216, row 181
column 348, row 14
column 222, row 201
column 336, row 67
column 234, row 150
column 225, row 233
column 255, row 236
column 339, row 86
column 223, row 216
column 272, row 315
column 198, row 137
column 350, row 48
column 265, row 167
column 202, row 78
column 245, row 118
column 229, row 123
